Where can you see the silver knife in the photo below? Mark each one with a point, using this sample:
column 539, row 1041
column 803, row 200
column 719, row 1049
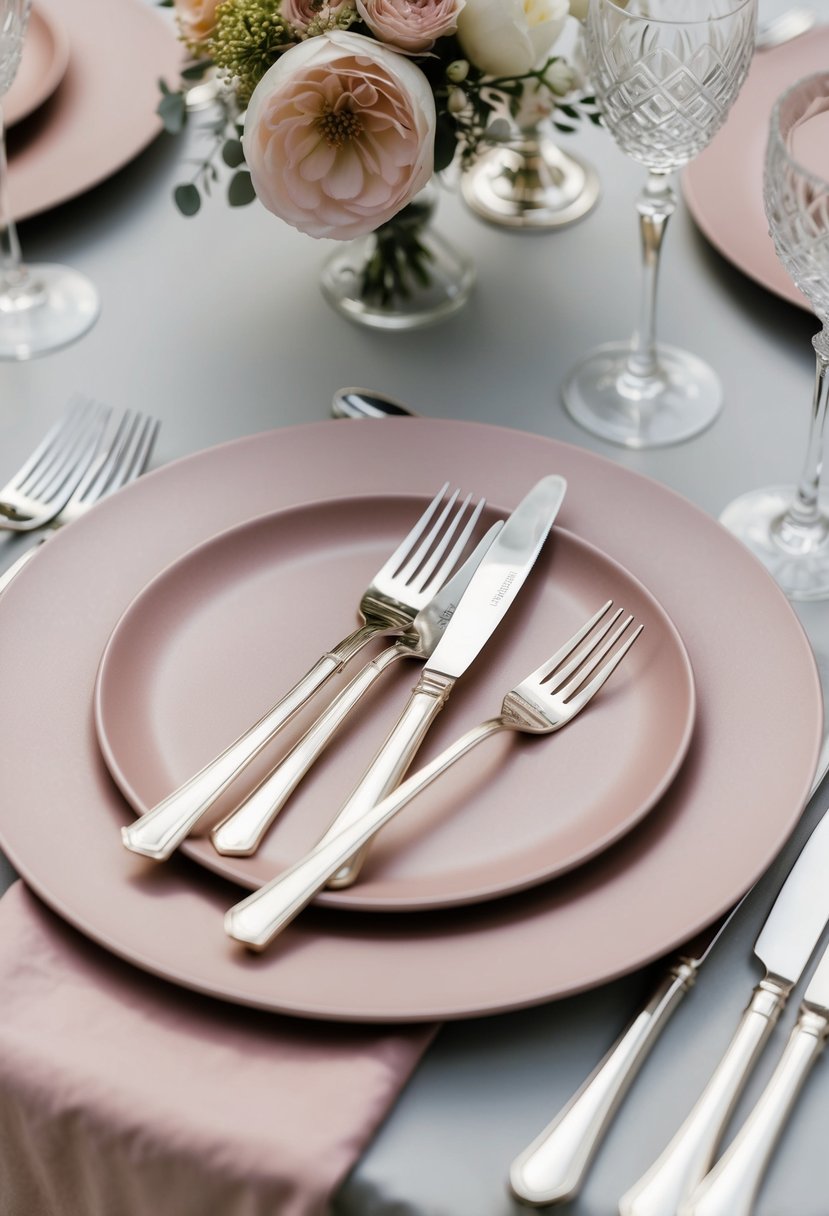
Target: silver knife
column 484, row 605
column 240, row 834
column 786, row 942
column 732, row 1186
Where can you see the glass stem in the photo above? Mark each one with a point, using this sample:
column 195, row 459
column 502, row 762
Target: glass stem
column 11, row 268
column 656, row 204
column 803, row 516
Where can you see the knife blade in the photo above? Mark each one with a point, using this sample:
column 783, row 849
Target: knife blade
column 486, row 601
column 784, row 946
column 240, row 834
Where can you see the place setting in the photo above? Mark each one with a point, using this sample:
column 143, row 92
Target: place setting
column 332, row 733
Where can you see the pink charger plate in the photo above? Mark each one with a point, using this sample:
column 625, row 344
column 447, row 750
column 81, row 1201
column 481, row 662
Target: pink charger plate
column 119, row 49
column 723, row 187
column 43, row 63
column 202, row 651
column 736, row 799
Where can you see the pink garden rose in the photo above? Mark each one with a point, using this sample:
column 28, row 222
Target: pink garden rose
column 196, row 19
column 410, row 25
column 339, row 135
column 320, row 13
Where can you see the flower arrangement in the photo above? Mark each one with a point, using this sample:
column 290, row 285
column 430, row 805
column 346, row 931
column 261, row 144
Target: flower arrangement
column 336, row 113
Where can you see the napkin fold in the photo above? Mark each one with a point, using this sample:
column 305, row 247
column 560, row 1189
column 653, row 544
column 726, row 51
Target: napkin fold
column 123, row 1094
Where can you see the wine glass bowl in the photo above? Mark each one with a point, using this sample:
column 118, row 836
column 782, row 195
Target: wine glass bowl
column 787, row 527
column 14, row 17
column 665, row 74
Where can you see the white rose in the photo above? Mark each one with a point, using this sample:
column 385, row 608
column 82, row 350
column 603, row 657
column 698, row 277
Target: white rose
column 510, row 37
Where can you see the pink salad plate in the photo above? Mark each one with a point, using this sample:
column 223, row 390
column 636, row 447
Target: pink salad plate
column 735, row 800
column 723, row 187
column 207, row 647
column 43, row 63
column 102, row 114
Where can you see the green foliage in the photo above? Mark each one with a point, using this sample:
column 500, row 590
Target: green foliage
column 240, row 191
column 187, row 198
column 232, row 153
column 172, row 109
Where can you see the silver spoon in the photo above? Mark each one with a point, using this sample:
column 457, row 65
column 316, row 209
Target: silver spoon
column 790, row 24
column 367, row 403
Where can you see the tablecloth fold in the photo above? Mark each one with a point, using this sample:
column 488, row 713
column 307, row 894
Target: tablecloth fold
column 122, row 1095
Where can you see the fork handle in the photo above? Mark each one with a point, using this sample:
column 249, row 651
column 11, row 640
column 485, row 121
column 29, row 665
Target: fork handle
column 551, row 1169
column 686, row 1160
column 241, row 833
column 258, row 918
column 389, row 766
column 158, row 833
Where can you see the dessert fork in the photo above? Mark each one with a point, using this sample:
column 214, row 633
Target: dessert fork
column 46, row 481
column 544, row 702
column 401, row 587
column 117, row 464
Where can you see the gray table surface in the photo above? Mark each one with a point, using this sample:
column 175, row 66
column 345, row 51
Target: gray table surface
column 216, row 325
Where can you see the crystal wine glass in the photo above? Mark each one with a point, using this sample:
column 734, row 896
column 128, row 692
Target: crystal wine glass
column 665, row 73
column 43, row 306
column 787, row 527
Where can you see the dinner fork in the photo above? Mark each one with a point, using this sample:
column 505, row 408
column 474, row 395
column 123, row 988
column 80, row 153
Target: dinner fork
column 541, row 704
column 46, row 481
column 117, row 464
column 401, row 587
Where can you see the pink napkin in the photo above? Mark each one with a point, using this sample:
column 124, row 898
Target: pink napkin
column 122, row 1094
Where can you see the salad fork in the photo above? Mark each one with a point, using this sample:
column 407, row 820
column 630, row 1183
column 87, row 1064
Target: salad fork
column 46, row 481
column 541, row 704
column 117, row 464
column 401, row 587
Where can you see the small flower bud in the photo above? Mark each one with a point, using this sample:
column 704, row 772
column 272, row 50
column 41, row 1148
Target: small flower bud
column 456, row 101
column 458, row 70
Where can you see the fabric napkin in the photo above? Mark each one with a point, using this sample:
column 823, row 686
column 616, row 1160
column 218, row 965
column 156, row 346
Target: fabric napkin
column 122, row 1095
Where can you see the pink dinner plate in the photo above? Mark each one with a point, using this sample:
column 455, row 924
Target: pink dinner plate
column 43, row 63
column 103, row 112
column 723, row 187
column 202, row 652
column 731, row 807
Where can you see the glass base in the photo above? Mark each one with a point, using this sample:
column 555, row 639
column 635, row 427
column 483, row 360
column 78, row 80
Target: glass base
column 51, row 307
column 680, row 400
column 531, row 185
column 797, row 557
column 443, row 290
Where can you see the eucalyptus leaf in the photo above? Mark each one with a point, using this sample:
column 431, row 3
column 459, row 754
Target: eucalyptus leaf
column 187, row 198
column 232, row 153
column 446, row 141
column 172, row 110
column 240, row 191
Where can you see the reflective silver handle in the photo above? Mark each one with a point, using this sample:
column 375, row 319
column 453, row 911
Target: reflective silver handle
column 158, row 833
column 552, row 1168
column 731, row 1187
column 390, row 764
column 12, row 571
column 256, row 920
column 241, row 833
column 686, row 1160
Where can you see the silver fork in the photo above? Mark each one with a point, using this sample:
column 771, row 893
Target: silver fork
column 401, row 587
column 46, row 481
column 544, row 702
column 119, row 462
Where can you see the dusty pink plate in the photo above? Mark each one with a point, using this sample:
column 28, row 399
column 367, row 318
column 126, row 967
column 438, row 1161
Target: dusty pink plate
column 42, row 66
column 735, row 800
column 723, row 187
column 120, row 48
column 206, row 648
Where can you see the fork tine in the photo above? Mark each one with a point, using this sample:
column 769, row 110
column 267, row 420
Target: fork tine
column 140, row 450
column 580, row 654
column 567, row 649
column 452, row 558
column 405, row 547
column 592, row 662
column 52, row 447
column 407, row 573
column 93, row 484
column 425, row 572
column 74, row 460
column 605, row 672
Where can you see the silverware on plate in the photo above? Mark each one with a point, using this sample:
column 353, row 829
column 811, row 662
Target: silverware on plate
column 500, row 576
column 43, row 485
column 116, row 464
column 421, row 563
column 367, row 403
column 544, row 702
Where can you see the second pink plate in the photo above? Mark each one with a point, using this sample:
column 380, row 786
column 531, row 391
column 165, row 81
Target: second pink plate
column 217, row 637
column 723, row 187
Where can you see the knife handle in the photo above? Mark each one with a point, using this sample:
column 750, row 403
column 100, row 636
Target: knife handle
column 256, row 920
column 158, row 833
column 686, row 1160
column 390, row 764
column 240, row 834
column 552, row 1168
column 731, row 1187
